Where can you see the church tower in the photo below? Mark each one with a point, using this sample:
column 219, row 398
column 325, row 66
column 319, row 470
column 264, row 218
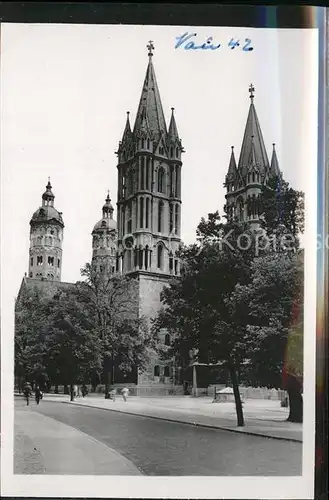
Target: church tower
column 104, row 241
column 244, row 180
column 149, row 207
column 46, row 237
column 149, row 187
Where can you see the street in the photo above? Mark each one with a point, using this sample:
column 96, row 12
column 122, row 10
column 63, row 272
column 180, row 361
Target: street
column 158, row 447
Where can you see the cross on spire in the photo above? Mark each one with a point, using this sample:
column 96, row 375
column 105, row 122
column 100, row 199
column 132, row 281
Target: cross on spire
column 251, row 91
column 150, row 47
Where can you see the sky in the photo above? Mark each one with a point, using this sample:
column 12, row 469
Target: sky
column 65, row 92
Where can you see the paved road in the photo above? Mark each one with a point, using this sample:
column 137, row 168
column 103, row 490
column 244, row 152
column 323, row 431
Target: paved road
column 164, row 448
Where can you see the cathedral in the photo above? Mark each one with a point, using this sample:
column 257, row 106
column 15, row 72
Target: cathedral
column 144, row 241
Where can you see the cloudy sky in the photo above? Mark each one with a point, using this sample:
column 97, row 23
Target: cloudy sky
column 65, row 93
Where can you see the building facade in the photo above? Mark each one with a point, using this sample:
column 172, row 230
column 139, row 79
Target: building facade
column 104, row 245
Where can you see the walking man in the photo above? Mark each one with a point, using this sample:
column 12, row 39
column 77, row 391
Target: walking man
column 124, row 393
column 27, row 392
column 38, row 394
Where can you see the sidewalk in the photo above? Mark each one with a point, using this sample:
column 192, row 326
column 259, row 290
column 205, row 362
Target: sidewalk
column 45, row 446
column 262, row 417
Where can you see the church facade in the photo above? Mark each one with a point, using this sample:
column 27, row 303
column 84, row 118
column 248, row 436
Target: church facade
column 145, row 240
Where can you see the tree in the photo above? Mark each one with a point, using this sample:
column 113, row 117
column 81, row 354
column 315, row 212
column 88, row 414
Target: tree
column 280, row 204
column 271, row 305
column 196, row 306
column 113, row 304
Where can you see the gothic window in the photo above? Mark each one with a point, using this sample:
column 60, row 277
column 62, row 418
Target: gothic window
column 146, row 256
column 171, row 152
column 140, row 258
column 176, row 266
column 166, row 372
column 241, row 209
column 135, row 257
column 31, row 261
column 141, row 212
column 160, row 180
column 142, row 171
column 171, row 180
column 171, row 264
column 58, row 262
column 257, row 177
column 130, row 181
column 50, row 261
column 39, row 260
column 143, row 143
column 160, row 257
column 167, row 339
column 157, row 371
column 171, row 218
column 147, row 185
column 160, row 216
column 129, row 225
column 176, row 151
column 176, row 180
column 148, row 143
column 176, row 218
column 253, row 177
column 147, row 210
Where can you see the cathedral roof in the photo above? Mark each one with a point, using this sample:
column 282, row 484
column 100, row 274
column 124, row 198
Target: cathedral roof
column 150, row 117
column 47, row 214
column 253, row 150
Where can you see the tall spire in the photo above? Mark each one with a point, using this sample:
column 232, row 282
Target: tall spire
column 150, row 114
column 127, row 130
column 173, row 132
column 275, row 170
column 253, row 143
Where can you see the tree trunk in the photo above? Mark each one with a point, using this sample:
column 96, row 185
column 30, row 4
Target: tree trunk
column 295, row 406
column 71, row 392
column 237, row 397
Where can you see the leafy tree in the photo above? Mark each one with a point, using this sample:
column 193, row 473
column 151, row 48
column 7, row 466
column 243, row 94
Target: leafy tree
column 271, row 305
column 280, row 204
column 196, row 307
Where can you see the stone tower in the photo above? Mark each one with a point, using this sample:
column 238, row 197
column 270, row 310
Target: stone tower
column 46, row 237
column 149, row 202
column 244, row 181
column 104, row 241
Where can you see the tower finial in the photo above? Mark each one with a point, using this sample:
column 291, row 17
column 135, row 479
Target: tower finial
column 150, row 47
column 251, row 91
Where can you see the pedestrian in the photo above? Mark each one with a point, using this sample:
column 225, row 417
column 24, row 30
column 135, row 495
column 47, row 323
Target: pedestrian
column 84, row 390
column 38, row 394
column 124, row 393
column 113, row 394
column 27, row 392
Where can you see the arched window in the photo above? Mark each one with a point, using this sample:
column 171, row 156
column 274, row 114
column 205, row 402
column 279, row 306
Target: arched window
column 177, row 181
column 143, row 143
column 171, row 263
column 50, row 261
column 161, row 180
column 257, row 177
column 147, row 184
column 141, row 212
column 171, row 152
column 171, row 218
column 166, row 371
column 167, row 339
column 142, row 172
column 253, row 177
column 147, row 212
column 140, row 258
column 160, row 256
column 157, row 371
column 148, row 143
column 160, row 216
column 176, row 218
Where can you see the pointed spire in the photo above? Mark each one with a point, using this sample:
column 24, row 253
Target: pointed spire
column 253, row 146
column 127, row 130
column 173, row 132
column 232, row 170
column 275, row 170
column 150, row 117
column 108, row 208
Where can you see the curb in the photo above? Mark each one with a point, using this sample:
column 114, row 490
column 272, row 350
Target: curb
column 193, row 424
